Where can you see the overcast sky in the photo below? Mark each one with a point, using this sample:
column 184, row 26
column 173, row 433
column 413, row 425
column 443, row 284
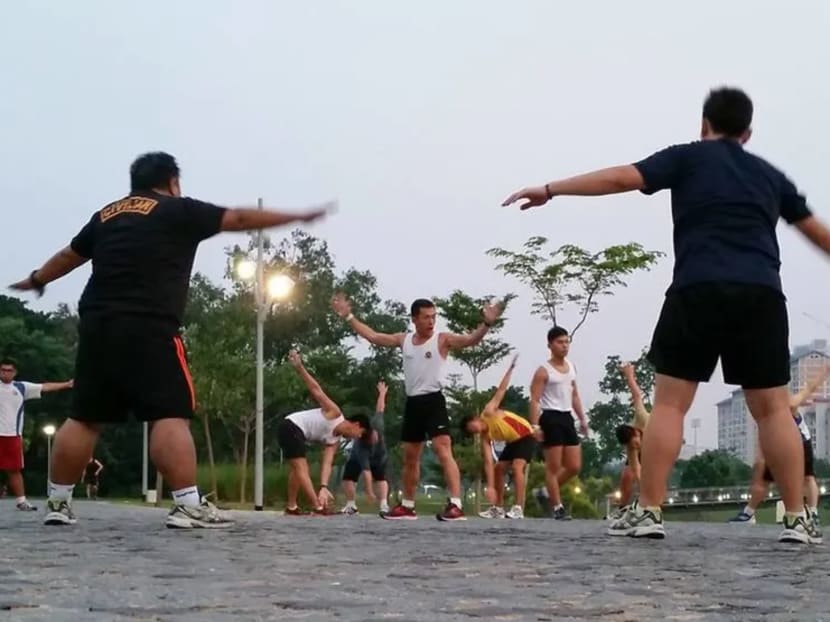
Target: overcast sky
column 420, row 118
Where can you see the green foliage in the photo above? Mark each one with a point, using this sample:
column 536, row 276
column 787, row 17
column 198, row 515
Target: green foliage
column 822, row 468
column 571, row 275
column 589, row 502
column 714, row 468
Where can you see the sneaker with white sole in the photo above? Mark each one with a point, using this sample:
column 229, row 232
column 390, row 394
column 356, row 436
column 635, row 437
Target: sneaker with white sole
column 349, row 510
column 204, row 516
column 639, row 522
column 493, row 511
column 59, row 513
column 801, row 530
column 743, row 517
column 618, row 513
column 516, row 513
column 25, row 506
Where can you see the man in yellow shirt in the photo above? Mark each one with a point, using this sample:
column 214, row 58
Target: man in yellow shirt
column 630, row 436
column 495, row 424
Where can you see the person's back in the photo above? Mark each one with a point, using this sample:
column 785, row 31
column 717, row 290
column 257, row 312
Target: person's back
column 726, row 203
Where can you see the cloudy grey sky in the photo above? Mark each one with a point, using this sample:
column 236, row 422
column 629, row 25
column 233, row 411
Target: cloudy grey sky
column 419, row 118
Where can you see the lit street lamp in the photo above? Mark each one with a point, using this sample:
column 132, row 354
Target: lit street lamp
column 49, row 431
column 277, row 287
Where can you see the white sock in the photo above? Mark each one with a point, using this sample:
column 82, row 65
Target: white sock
column 61, row 492
column 187, row 496
column 456, row 501
column 351, row 504
column 749, row 511
column 21, row 500
column 557, row 506
column 384, row 506
column 408, row 503
column 813, row 511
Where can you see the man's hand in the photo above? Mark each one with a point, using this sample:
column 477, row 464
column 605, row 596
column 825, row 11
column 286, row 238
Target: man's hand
column 28, row 284
column 627, row 369
column 513, row 361
column 69, row 384
column 341, row 305
column 319, row 212
column 324, row 497
column 382, row 388
column 583, row 428
column 295, row 359
column 492, row 312
column 538, row 434
column 536, row 196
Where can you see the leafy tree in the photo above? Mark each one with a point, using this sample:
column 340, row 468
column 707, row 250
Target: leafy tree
column 822, row 468
column 714, row 468
column 571, row 275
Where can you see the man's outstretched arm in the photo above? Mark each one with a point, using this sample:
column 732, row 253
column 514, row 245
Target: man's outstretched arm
column 452, row 341
column 60, row 264
column 495, row 401
column 248, row 219
column 604, row 181
column 343, row 308
column 326, row 404
column 49, row 387
column 814, row 383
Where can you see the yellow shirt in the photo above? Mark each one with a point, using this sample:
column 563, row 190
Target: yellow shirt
column 506, row 427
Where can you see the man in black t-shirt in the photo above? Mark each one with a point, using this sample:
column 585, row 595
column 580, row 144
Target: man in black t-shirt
column 130, row 356
column 725, row 300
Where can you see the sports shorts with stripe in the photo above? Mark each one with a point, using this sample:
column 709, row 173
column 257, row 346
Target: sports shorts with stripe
column 130, row 365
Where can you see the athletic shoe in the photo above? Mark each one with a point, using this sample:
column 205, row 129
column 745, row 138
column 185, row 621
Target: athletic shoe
column 618, row 513
column 516, row 512
column 294, row 512
column 204, row 516
column 25, row 506
column 801, row 530
column 384, row 510
column 349, row 510
column 451, row 512
column 399, row 512
column 322, row 511
column 492, row 512
column 639, row 523
column 816, row 520
column 743, row 517
column 560, row 513
column 59, row 513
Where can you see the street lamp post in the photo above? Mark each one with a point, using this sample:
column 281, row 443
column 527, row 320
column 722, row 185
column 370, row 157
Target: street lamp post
column 49, row 431
column 144, row 449
column 276, row 287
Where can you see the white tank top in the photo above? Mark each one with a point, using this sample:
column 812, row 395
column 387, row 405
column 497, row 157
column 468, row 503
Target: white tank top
column 423, row 365
column 315, row 426
column 558, row 393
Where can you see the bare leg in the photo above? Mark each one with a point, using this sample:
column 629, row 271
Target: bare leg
column 442, row 446
column 71, row 451
column 780, row 442
column 299, row 469
column 498, row 482
column 663, row 436
column 759, row 487
column 411, row 469
column 553, row 465
column 293, row 489
column 519, row 482
column 571, row 463
column 626, row 485
column 383, row 492
column 173, row 452
column 16, row 484
column 811, row 492
column 350, row 490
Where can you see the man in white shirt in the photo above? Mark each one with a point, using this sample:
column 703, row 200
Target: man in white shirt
column 13, row 394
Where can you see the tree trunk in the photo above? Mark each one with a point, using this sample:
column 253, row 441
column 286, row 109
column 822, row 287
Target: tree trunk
column 211, row 460
column 243, row 466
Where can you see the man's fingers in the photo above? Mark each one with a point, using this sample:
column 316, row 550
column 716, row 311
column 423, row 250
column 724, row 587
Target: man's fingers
column 513, row 198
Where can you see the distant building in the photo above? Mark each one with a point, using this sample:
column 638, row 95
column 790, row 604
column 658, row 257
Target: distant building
column 737, row 432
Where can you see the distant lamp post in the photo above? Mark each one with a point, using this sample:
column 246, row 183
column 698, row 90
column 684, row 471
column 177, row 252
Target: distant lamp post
column 277, row 287
column 49, row 430
column 617, row 495
column 577, row 490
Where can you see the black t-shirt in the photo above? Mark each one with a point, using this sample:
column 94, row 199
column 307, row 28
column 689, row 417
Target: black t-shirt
column 142, row 249
column 726, row 203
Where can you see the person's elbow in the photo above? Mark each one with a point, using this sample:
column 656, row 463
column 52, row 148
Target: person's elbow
column 815, row 231
column 626, row 178
column 233, row 220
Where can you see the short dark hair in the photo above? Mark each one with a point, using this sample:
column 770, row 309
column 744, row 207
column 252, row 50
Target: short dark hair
column 465, row 420
column 6, row 360
column 363, row 422
column 625, row 433
column 152, row 170
column 420, row 303
column 556, row 332
column 728, row 111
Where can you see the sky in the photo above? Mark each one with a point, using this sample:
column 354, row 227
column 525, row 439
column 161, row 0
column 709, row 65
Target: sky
column 419, row 119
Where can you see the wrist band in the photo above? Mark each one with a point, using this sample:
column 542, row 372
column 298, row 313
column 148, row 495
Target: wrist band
column 38, row 285
column 349, row 317
column 548, row 192
column 324, row 485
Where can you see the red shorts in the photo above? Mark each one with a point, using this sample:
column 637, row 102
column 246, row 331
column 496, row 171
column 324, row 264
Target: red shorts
column 11, row 453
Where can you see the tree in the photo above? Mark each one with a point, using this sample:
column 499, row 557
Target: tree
column 572, row 275
column 714, row 468
column 822, row 468
column 605, row 417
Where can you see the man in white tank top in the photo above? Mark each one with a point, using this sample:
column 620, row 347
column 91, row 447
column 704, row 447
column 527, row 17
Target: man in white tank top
column 554, row 402
column 425, row 417
column 325, row 425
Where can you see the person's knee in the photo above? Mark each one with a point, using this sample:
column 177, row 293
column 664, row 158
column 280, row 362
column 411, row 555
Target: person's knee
column 442, row 448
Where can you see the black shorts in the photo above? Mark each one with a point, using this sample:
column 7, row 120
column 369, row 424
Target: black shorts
column 744, row 325
column 809, row 468
column 558, row 429
column 91, row 480
column 425, row 417
column 353, row 469
column 291, row 440
column 521, row 449
column 130, row 364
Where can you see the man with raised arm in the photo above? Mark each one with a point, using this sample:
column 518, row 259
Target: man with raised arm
column 425, row 417
column 325, row 425
column 497, row 425
column 368, row 457
column 725, row 301
column 630, row 436
column 131, row 357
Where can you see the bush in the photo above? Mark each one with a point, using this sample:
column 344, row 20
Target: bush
column 579, row 505
column 227, row 483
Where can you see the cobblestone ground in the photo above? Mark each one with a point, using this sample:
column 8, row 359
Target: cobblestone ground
column 120, row 563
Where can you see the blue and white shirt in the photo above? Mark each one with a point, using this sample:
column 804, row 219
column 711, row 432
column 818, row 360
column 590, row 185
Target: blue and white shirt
column 12, row 397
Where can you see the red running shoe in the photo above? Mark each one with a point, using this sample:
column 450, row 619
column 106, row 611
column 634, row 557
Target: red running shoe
column 399, row 512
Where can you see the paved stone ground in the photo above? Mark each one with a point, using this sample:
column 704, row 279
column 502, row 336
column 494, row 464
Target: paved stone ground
column 119, row 563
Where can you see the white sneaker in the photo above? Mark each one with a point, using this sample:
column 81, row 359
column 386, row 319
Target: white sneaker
column 493, row 512
column 639, row 523
column 59, row 513
column 516, row 512
column 802, row 530
column 204, row 516
column 349, row 510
